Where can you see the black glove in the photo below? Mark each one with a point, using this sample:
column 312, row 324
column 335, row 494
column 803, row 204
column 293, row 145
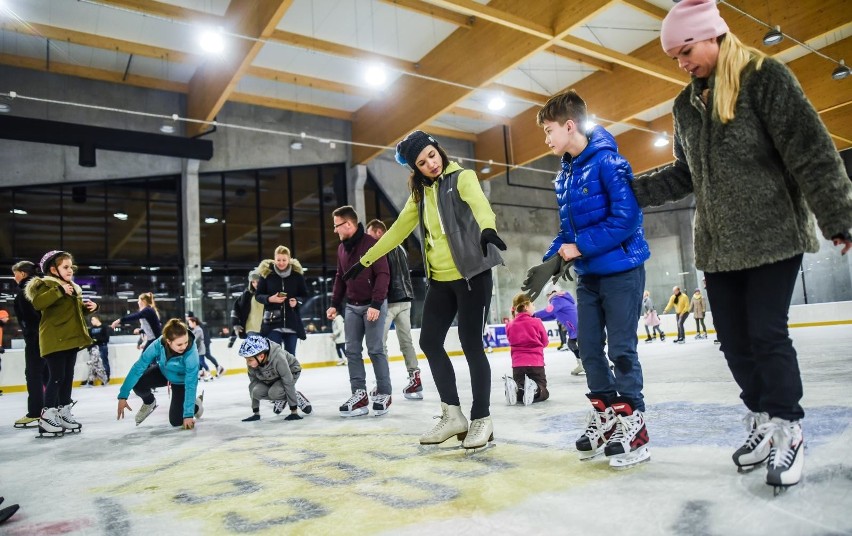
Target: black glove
column 489, row 236
column 537, row 276
column 564, row 271
column 293, row 417
column 254, row 417
column 232, row 340
column 353, row 272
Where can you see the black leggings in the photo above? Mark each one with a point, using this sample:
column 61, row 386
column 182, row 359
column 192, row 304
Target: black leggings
column 681, row 318
column 699, row 323
column 61, row 365
column 152, row 378
column 471, row 301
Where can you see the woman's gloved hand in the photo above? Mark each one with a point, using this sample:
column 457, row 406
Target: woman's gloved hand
column 489, row 236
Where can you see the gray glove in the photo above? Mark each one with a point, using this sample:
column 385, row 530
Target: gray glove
column 564, row 271
column 537, row 276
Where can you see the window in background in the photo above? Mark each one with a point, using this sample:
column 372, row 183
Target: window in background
column 164, row 226
column 275, row 194
column 127, row 216
column 83, row 221
column 241, row 215
column 211, row 213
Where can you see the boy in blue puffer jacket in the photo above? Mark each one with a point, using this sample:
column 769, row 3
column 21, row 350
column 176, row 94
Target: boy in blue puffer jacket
column 601, row 232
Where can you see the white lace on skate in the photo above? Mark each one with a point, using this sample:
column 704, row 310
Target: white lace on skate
column 444, row 422
column 303, row 403
column 356, row 396
column 478, row 436
column 784, row 438
column 596, row 428
column 278, row 406
column 68, row 419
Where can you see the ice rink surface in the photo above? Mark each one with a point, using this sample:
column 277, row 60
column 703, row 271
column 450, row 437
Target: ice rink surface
column 331, row 475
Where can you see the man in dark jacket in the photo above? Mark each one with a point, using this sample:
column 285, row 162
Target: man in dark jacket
column 366, row 310
column 400, row 296
column 35, row 370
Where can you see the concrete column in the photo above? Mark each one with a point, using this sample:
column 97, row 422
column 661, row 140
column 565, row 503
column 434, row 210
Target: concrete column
column 357, row 200
column 191, row 237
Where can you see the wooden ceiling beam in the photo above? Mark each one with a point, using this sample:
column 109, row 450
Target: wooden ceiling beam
column 476, row 115
column 308, row 81
column 579, row 57
column 625, row 60
column 281, row 104
column 443, row 132
column 335, row 49
column 168, row 11
column 496, row 16
column 214, row 81
column 425, row 8
column 529, row 96
column 643, row 6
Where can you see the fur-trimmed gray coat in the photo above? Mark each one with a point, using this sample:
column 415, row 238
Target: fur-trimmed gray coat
column 756, row 177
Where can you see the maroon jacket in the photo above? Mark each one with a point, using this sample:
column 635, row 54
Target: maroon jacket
column 371, row 285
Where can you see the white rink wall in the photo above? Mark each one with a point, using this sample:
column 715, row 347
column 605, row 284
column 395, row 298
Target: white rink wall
column 318, row 350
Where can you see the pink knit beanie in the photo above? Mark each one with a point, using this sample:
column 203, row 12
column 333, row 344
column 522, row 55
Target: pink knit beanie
column 690, row 21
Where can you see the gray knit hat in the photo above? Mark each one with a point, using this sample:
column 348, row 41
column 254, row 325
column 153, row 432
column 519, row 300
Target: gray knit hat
column 409, row 148
column 254, row 275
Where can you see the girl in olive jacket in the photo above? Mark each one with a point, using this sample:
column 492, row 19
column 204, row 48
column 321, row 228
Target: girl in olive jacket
column 62, row 332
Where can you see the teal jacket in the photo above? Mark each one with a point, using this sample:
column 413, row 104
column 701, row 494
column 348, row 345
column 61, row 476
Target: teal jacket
column 181, row 369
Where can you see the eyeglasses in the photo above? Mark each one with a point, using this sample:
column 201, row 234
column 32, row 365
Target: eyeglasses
column 336, row 225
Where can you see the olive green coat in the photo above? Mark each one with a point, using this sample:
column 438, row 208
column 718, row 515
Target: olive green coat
column 63, row 323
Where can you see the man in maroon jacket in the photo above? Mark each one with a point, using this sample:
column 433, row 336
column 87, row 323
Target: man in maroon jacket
column 366, row 309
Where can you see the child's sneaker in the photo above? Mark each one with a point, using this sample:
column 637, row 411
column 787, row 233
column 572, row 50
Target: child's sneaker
column 530, row 389
column 628, row 444
column 144, row 411
column 510, row 390
column 786, row 457
column 278, row 406
column 755, row 450
column 356, row 405
column 599, row 427
column 414, row 389
column 303, row 403
column 381, row 404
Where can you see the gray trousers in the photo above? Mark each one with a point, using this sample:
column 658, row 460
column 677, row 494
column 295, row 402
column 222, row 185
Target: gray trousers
column 357, row 328
column 399, row 314
column 275, row 391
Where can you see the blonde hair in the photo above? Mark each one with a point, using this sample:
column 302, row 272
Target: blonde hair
column 521, row 303
column 734, row 57
column 148, row 299
column 282, row 250
column 173, row 329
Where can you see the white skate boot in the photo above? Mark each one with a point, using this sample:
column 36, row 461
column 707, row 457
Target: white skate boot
column 578, row 370
column 303, row 403
column 628, row 445
column 381, row 404
column 144, row 411
column 786, row 456
column 199, row 405
column 755, row 450
column 50, row 423
column 530, row 389
column 356, row 405
column 510, row 389
column 480, row 435
column 414, row 389
column 67, row 419
column 600, row 424
column 452, row 423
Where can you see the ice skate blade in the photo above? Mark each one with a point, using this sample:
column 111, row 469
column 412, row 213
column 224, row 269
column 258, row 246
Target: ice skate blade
column 413, row 396
column 586, row 456
column 745, row 469
column 778, row 489
column 30, row 425
column 631, row 459
column 478, row 450
column 42, row 433
column 355, row 413
column 438, row 447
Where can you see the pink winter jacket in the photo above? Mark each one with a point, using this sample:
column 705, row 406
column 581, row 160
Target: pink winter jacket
column 528, row 339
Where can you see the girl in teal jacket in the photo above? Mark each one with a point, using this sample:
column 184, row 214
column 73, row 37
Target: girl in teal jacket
column 171, row 359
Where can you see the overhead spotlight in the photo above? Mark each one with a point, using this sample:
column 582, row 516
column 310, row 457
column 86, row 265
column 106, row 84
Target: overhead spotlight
column 376, row 75
column 496, row 104
column 211, row 220
column 285, row 225
column 211, row 41
column 773, row 36
column 589, row 124
column 296, row 145
column 841, row 72
column 18, row 211
column 120, row 216
column 6, row 101
column 487, row 167
column 662, row 140
column 167, row 129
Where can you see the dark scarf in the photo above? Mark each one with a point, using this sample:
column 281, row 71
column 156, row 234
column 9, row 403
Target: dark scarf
column 350, row 243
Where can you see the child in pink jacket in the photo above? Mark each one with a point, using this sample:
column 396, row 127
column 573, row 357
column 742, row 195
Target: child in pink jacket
column 527, row 339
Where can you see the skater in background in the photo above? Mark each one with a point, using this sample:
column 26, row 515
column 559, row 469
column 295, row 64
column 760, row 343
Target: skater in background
column 680, row 303
column 148, row 317
column 62, row 332
column 201, row 346
column 488, row 342
column 101, row 334
column 400, row 296
column 205, row 332
column 601, row 232
column 744, row 126
column 96, row 367
column 697, row 308
column 562, row 308
column 460, row 248
column 338, row 334
column 282, row 290
column 35, row 368
column 273, row 373
column 247, row 313
column 364, row 316
column 171, row 359
column 527, row 341
column 652, row 320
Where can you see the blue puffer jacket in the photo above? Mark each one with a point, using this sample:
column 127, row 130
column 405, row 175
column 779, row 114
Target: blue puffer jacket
column 598, row 210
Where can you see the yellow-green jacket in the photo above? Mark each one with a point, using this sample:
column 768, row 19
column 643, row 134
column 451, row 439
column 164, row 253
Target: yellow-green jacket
column 63, row 323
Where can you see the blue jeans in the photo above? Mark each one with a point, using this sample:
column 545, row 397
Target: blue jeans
column 357, row 328
column 608, row 309
column 287, row 340
column 104, row 350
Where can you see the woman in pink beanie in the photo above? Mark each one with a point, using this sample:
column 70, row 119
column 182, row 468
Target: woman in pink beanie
column 756, row 156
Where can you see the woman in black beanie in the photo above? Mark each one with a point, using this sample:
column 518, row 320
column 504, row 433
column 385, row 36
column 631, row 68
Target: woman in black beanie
column 459, row 249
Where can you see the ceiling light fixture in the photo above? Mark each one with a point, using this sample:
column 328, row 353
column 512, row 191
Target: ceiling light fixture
column 487, row 167
column 590, row 123
column 120, row 216
column 841, row 72
column 496, row 104
column 773, row 36
column 167, row 129
column 211, row 41
column 285, row 225
column 6, row 102
column 662, row 140
column 18, row 211
column 211, row 220
column 376, row 75
column 296, row 145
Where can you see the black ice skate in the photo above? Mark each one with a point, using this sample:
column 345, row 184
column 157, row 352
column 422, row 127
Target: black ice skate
column 414, row 389
column 356, row 405
column 600, row 424
column 628, row 445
